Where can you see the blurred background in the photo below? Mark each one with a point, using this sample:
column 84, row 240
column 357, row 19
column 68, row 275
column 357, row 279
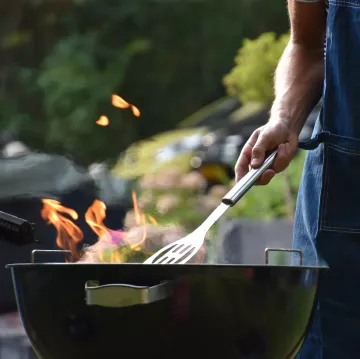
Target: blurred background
column 145, row 106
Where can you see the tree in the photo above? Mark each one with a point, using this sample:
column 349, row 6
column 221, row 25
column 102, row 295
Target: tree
column 62, row 59
column 252, row 77
column 77, row 83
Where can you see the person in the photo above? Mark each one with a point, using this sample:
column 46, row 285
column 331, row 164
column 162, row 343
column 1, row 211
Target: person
column 321, row 62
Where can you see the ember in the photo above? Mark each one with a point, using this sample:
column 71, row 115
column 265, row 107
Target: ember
column 119, row 102
column 103, row 121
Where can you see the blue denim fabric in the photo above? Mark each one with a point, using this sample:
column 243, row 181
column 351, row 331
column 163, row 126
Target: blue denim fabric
column 327, row 221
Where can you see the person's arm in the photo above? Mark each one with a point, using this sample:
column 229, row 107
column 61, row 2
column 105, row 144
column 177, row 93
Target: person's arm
column 298, row 85
column 300, row 72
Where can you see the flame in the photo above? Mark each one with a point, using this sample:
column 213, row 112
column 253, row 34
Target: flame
column 152, row 220
column 112, row 245
column 108, row 238
column 119, row 102
column 95, row 216
column 136, row 207
column 135, row 111
column 103, row 121
column 140, row 219
column 68, row 233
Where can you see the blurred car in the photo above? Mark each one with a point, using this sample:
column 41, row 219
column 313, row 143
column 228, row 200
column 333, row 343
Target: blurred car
column 220, row 148
column 171, row 148
column 177, row 147
column 217, row 155
column 211, row 149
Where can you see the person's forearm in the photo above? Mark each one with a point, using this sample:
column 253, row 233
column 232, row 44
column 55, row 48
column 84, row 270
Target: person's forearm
column 298, row 84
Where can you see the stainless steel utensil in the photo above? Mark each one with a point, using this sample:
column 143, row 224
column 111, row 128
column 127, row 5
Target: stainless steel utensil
column 183, row 250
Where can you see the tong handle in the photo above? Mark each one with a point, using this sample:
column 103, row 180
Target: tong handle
column 240, row 188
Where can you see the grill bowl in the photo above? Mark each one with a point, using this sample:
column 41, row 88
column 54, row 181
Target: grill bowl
column 205, row 311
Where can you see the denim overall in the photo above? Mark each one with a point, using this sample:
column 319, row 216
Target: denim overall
column 327, row 221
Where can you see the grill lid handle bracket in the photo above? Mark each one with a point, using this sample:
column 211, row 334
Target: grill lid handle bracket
column 125, row 295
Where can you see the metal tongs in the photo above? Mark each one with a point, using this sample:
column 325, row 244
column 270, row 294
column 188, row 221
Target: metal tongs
column 183, row 250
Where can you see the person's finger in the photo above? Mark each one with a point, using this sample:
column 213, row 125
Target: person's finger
column 286, row 152
column 243, row 162
column 266, row 177
column 282, row 158
column 259, row 150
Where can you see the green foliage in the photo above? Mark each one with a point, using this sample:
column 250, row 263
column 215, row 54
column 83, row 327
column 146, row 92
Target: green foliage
column 252, row 81
column 252, row 77
column 63, row 60
column 77, row 82
column 14, row 39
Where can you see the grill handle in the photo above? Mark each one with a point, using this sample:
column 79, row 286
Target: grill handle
column 125, row 295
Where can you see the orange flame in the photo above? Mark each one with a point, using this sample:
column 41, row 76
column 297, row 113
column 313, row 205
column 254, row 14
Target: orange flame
column 119, row 102
column 135, row 111
column 140, row 220
column 95, row 216
column 68, row 233
column 103, row 121
column 152, row 220
column 136, row 208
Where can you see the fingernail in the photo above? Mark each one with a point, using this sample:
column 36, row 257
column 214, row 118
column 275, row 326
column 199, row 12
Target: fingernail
column 254, row 161
column 281, row 149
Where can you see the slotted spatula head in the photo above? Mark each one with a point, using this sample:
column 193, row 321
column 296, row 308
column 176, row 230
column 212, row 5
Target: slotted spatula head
column 178, row 252
column 184, row 249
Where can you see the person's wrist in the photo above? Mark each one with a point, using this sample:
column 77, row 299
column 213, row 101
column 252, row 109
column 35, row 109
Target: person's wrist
column 283, row 117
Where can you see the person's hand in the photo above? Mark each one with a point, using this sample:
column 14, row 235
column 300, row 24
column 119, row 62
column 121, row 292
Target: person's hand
column 276, row 134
